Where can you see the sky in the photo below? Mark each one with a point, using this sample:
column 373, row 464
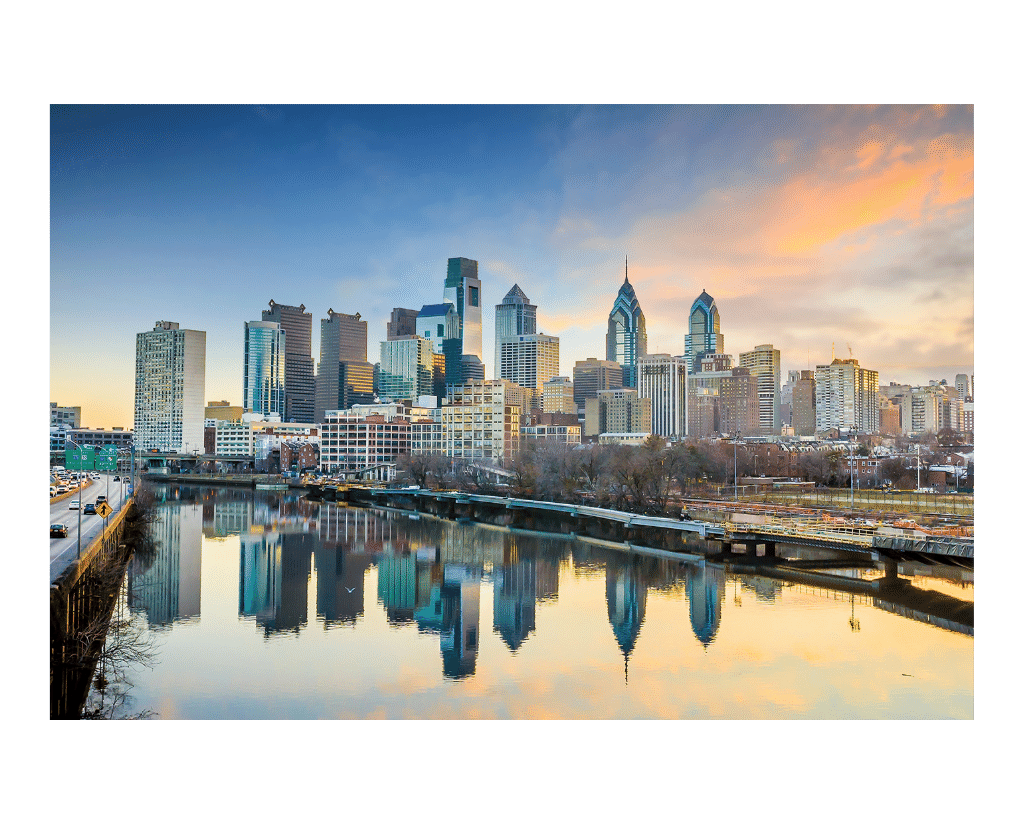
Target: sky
column 819, row 229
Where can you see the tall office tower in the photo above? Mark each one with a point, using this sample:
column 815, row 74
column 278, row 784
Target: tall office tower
column 402, row 323
column 764, row 364
column 558, row 396
column 804, row 417
column 705, row 330
column 663, row 380
column 439, row 323
column 626, row 341
column 513, row 317
column 344, row 377
column 406, row 368
column 591, row 376
column 170, row 388
column 263, row 382
column 845, row 395
column 965, row 387
column 462, row 290
column 299, row 375
column 529, row 360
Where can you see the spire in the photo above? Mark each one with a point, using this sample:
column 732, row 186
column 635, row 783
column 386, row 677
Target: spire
column 627, row 268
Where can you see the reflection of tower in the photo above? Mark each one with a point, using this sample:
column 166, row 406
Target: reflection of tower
column 274, row 575
column 627, row 603
column 429, row 577
column 339, row 584
column 515, row 598
column 460, row 620
column 396, row 586
column 705, row 590
column 169, row 589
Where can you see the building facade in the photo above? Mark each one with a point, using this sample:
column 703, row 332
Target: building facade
column 557, row 396
column 69, row 416
column 344, row 377
column 846, row 396
column 299, row 374
column 617, row 410
column 663, row 380
column 591, row 376
column 263, row 378
column 765, row 365
column 402, row 323
column 805, row 420
column 170, row 386
column 406, row 368
column 626, row 340
column 464, row 354
column 529, row 360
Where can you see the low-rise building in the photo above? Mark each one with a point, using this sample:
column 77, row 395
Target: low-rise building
column 351, row 443
column 558, row 434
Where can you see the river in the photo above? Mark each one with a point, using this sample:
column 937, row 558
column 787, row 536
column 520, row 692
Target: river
column 263, row 605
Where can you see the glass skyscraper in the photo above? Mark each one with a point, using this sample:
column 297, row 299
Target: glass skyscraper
column 299, row 375
column 705, row 331
column 462, row 290
column 626, row 341
column 264, row 379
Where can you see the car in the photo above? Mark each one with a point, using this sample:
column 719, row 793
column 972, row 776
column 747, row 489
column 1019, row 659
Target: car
column 117, row 477
column 75, row 504
column 58, row 531
column 101, row 499
column 90, row 509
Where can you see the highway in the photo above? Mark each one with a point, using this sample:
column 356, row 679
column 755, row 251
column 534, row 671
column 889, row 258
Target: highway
column 65, row 550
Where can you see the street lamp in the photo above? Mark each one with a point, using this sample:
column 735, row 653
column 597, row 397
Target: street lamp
column 735, row 472
column 78, row 446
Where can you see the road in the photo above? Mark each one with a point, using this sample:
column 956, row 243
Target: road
column 65, row 550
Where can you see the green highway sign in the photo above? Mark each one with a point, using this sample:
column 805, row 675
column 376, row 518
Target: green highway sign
column 106, row 459
column 79, row 458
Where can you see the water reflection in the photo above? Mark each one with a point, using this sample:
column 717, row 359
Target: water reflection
column 429, row 575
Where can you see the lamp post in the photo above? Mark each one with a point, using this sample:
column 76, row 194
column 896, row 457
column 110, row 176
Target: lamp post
column 79, row 448
column 735, row 472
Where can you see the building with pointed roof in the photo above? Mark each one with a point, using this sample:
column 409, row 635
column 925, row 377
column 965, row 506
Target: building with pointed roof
column 705, row 335
column 513, row 317
column 626, row 341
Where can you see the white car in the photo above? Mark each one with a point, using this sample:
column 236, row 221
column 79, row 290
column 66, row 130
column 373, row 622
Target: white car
column 75, row 504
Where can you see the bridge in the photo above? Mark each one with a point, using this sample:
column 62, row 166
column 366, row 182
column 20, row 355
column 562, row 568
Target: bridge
column 722, row 537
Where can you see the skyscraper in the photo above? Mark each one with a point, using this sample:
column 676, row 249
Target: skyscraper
column 299, row 376
column 705, row 331
column 263, row 381
column 170, row 388
column 344, row 377
column 764, row 364
column 626, row 341
column 663, row 380
column 513, row 317
column 591, row 376
column 402, row 323
column 464, row 355
column 406, row 368
column 529, row 360
column 845, row 395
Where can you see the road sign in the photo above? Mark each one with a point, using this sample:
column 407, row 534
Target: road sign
column 106, row 459
column 103, row 510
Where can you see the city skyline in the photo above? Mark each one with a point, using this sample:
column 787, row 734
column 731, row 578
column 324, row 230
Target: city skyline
column 810, row 226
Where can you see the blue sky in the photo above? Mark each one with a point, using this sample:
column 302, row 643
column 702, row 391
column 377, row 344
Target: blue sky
column 809, row 225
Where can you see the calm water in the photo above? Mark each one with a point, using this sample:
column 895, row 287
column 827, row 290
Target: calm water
column 269, row 606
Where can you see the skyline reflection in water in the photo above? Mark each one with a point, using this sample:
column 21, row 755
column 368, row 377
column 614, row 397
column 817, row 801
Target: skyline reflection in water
column 270, row 606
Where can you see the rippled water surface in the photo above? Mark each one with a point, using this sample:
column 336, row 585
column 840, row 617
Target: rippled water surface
column 264, row 605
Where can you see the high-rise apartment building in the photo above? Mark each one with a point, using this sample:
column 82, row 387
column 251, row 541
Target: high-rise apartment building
column 513, row 317
column 663, row 380
column 263, row 379
column 626, row 341
column 170, row 388
column 705, row 330
column 965, row 387
column 846, row 396
column 402, row 323
column 299, row 375
column 344, row 377
column 529, row 360
column 764, row 364
column 406, row 368
column 591, row 376
column 464, row 355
